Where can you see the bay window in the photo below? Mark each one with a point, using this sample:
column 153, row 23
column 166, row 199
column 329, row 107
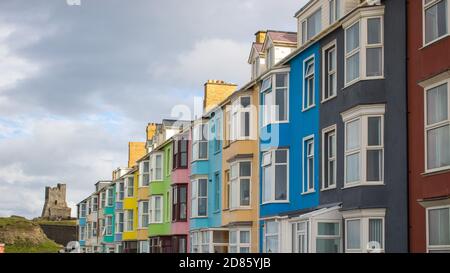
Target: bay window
column 274, row 90
column 180, row 153
column 271, row 237
column 156, row 168
column 328, row 238
column 435, row 19
column 109, row 225
column 309, row 84
column 239, row 241
column 120, row 222
column 129, row 218
column 94, row 203
column 155, row 214
column 83, row 210
column 437, row 127
column 110, row 194
column 240, row 179
column 143, row 210
column 129, row 181
column 103, row 199
column 200, row 142
column 329, row 168
column 438, row 229
column 364, row 145
column 364, row 45
column 275, row 172
column 179, row 203
column 364, row 230
column 120, row 191
column 308, row 165
column 300, row 237
column 241, row 118
column 82, row 233
column 329, row 89
column 199, row 198
column 144, row 173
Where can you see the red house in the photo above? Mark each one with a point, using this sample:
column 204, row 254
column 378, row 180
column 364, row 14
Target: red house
column 429, row 124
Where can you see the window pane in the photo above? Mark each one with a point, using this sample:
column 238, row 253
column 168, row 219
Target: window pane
column 281, row 182
column 244, row 250
column 245, row 101
column 374, row 165
column 374, row 134
column 281, row 80
column 352, row 135
column 376, row 231
column 202, row 203
column 280, row 101
column 245, row 192
column 281, row 156
column 245, row 169
column 314, row 24
column 202, row 187
column 352, row 68
column 328, row 245
column 353, row 234
column 437, row 147
column 271, row 227
column 245, row 124
column 374, row 31
column 267, row 184
column 439, row 226
column 436, row 21
column 437, row 104
column 203, row 152
column 328, row 229
column 245, row 237
column 272, row 244
column 352, row 38
column 373, row 62
column 352, row 168
column 233, row 237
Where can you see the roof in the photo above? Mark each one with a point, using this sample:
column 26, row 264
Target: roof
column 258, row 47
column 282, row 36
column 307, row 5
column 176, row 123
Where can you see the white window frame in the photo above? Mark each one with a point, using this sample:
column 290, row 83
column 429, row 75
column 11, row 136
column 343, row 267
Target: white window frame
column 273, row 165
column 198, row 139
column 306, row 87
column 109, row 225
column 435, row 125
column 82, row 233
column 270, row 53
column 103, row 198
column 306, row 233
column 153, row 167
column 268, row 111
column 119, row 191
column 330, row 237
column 152, row 209
column 278, row 234
column 326, row 158
column 94, row 203
column 237, row 110
column 129, row 220
column 110, row 197
column 304, row 26
column 361, row 18
column 362, row 113
column 83, row 211
column 326, row 73
column 143, row 213
column 336, row 4
column 424, row 8
column 120, row 224
column 142, row 174
column 238, row 244
column 128, row 187
column 431, row 248
column 305, row 165
column 236, row 182
column 195, row 198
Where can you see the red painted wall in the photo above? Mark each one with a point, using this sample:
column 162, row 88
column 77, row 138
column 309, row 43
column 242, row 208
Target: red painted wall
column 423, row 63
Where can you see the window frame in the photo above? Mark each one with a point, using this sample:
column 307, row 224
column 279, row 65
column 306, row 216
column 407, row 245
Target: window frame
column 120, row 226
column 153, row 167
column 425, row 7
column 176, row 203
column 364, row 216
column 236, row 112
column 94, row 203
column 198, row 140
column 268, row 115
column 129, row 220
column 109, row 225
column 110, row 197
column 434, row 126
column 329, row 237
column 238, row 245
column 265, row 235
column 178, row 153
column 143, row 174
column 236, row 182
column 332, row 46
column 336, row 11
column 142, row 213
column 152, row 209
column 196, row 198
column 305, row 164
column 431, row 248
column 326, row 159
column 273, row 165
column 306, row 86
column 129, row 191
column 305, row 26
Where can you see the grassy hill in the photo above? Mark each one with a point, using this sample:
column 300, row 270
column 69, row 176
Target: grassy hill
column 24, row 236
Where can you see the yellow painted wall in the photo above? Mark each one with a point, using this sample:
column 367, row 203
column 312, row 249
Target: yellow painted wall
column 142, row 194
column 131, row 203
column 216, row 92
column 136, row 150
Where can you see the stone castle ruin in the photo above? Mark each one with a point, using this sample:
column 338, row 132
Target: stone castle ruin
column 55, row 206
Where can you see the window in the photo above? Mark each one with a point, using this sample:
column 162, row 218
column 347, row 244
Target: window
column 108, row 225
column 239, row 241
column 119, row 222
column 168, row 161
column 435, row 19
column 241, row 118
column 329, row 168
column 120, row 191
column 156, row 170
column 180, row 153
column 271, row 239
column 308, row 84
column 156, row 209
column 144, row 247
column 103, row 199
column 130, row 186
column 275, row 100
column 311, row 26
column 308, row 165
column 364, row 39
column 353, row 234
column 179, row 203
column 300, row 237
column 200, row 142
column 334, row 11
column 328, row 239
column 437, row 127
column 218, row 135
column 143, row 214
column 94, row 203
column 364, row 145
column 228, row 189
column 329, row 89
column 438, row 229
column 209, row 241
column 275, row 176
column 179, row 244
column 129, row 220
column 199, row 197
column 216, row 191
column 144, row 173
column 227, row 138
column 110, row 197
column 364, row 230
column 83, row 210
column 94, row 229
column 82, row 233
column 240, row 175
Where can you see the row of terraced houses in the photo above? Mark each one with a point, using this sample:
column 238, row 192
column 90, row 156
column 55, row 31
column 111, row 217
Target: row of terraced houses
column 339, row 142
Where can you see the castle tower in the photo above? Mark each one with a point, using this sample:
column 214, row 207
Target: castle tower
column 55, row 206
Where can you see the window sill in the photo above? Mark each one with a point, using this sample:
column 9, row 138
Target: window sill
column 275, row 202
column 240, row 209
column 435, row 41
column 275, row 123
column 308, row 192
column 363, row 184
column 199, row 217
column 436, row 171
column 308, row 108
column 329, row 188
column 143, row 187
column 197, row 160
column 361, row 80
column 328, row 99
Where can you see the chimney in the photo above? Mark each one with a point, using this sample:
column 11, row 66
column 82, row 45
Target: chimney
column 260, row 36
column 136, row 150
column 151, row 130
column 215, row 92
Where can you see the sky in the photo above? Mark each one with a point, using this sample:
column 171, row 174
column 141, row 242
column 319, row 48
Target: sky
column 78, row 82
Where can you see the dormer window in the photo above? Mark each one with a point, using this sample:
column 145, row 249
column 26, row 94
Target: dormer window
column 311, row 26
column 334, row 9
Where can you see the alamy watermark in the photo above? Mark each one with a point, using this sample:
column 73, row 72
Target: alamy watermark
column 73, row 2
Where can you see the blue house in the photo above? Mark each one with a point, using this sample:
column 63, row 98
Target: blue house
column 81, row 207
